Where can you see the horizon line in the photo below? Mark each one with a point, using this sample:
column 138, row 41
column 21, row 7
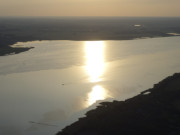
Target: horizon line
column 93, row 16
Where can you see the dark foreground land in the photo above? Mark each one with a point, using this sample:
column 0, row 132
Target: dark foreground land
column 13, row 30
column 155, row 111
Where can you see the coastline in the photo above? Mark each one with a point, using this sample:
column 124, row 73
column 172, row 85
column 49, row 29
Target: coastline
column 6, row 49
column 153, row 111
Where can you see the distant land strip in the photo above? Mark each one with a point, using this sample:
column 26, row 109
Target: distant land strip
column 13, row 30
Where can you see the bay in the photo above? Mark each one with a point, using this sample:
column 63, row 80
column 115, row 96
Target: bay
column 45, row 89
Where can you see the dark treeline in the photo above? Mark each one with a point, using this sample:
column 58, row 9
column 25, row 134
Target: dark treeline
column 14, row 29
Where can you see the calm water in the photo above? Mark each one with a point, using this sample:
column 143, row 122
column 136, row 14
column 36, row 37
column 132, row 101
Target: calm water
column 50, row 86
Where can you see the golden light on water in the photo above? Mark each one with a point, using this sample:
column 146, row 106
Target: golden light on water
column 97, row 93
column 95, row 68
column 95, row 64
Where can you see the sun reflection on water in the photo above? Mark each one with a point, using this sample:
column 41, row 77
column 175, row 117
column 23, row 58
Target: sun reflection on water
column 97, row 93
column 95, row 68
column 95, row 64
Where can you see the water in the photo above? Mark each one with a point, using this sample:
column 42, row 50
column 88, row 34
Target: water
column 54, row 84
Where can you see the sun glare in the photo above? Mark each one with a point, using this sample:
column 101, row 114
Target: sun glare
column 95, row 68
column 97, row 93
column 95, row 64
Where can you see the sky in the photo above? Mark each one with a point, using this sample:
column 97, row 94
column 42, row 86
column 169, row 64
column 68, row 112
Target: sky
column 89, row 8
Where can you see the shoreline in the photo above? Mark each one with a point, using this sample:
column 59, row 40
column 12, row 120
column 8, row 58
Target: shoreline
column 153, row 111
column 8, row 50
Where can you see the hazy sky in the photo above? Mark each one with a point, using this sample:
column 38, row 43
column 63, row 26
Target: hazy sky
column 89, row 8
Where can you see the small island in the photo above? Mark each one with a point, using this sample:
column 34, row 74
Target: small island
column 155, row 111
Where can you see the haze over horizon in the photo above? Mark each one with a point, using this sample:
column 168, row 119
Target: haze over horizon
column 90, row 8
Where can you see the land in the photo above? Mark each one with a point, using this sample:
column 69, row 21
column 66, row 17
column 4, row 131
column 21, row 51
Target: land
column 155, row 111
column 14, row 30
